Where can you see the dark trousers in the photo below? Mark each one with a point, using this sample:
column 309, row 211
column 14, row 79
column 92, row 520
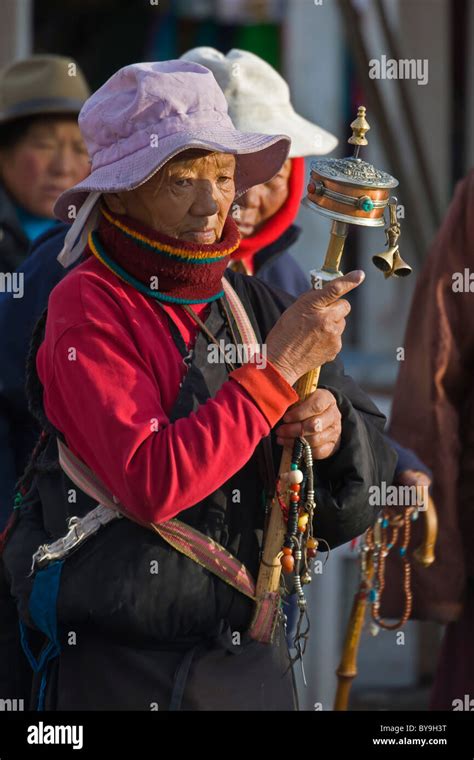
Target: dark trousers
column 97, row 674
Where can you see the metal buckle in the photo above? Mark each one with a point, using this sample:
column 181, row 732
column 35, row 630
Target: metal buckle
column 79, row 528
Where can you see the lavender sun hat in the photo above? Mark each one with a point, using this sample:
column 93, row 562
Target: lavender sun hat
column 145, row 114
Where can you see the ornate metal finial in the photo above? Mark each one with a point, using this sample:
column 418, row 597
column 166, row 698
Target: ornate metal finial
column 359, row 127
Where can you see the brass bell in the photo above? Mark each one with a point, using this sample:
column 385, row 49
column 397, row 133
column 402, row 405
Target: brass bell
column 384, row 261
column 400, row 268
column 390, row 262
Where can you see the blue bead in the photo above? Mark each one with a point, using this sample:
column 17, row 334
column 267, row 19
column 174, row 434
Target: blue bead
column 385, row 523
column 373, row 595
column 403, row 551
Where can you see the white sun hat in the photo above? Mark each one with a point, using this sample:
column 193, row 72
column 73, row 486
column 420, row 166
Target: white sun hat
column 259, row 99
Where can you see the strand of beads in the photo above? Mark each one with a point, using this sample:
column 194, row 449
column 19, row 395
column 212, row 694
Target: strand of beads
column 292, row 480
column 299, row 545
column 378, row 544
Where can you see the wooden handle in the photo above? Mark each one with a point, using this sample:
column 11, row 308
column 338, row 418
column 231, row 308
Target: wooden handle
column 347, row 669
column 270, row 567
column 425, row 554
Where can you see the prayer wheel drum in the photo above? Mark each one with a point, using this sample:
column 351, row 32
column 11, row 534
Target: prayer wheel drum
column 352, row 191
column 349, row 189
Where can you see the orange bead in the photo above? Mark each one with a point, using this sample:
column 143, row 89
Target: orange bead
column 287, row 563
column 311, row 543
column 287, row 550
column 294, row 498
column 295, row 487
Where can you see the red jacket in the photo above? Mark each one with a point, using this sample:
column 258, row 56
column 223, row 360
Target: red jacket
column 111, row 373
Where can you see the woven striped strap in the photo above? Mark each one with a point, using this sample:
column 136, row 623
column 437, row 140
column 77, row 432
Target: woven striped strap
column 244, row 324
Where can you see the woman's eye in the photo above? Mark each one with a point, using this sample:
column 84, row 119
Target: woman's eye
column 223, row 179
column 279, row 179
column 181, row 182
column 44, row 144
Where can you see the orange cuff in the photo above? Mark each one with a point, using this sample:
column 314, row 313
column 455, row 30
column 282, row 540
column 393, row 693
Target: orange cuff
column 268, row 389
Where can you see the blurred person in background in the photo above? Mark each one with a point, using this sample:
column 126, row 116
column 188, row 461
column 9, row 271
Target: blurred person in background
column 433, row 413
column 42, row 154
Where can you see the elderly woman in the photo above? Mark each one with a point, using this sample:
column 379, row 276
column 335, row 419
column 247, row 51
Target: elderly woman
column 146, row 424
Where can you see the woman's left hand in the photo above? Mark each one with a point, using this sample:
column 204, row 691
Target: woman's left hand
column 317, row 419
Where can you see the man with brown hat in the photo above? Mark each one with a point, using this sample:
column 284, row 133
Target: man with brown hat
column 42, row 153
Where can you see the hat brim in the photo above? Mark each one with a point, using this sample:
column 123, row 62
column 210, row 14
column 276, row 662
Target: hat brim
column 258, row 158
column 307, row 139
column 46, row 107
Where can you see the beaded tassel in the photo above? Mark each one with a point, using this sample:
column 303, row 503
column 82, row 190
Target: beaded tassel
column 299, row 545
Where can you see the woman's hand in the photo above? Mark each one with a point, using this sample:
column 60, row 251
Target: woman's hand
column 317, row 419
column 308, row 334
column 412, row 478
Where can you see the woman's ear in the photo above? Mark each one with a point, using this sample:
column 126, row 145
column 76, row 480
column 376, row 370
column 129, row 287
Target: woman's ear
column 114, row 203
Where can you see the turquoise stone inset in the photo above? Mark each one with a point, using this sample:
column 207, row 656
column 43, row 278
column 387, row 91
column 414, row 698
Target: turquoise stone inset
column 367, row 205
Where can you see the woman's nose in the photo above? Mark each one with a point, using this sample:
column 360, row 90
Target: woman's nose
column 251, row 199
column 205, row 200
column 65, row 162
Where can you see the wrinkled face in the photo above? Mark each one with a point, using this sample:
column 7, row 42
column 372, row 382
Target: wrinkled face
column 189, row 198
column 48, row 159
column 261, row 202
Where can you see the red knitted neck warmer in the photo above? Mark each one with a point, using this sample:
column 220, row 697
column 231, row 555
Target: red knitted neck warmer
column 170, row 270
column 274, row 227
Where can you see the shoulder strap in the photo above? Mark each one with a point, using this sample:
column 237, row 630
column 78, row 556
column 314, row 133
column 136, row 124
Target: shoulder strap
column 185, row 539
column 249, row 338
column 247, row 333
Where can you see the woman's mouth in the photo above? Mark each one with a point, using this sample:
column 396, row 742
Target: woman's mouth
column 53, row 191
column 246, row 228
column 202, row 236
